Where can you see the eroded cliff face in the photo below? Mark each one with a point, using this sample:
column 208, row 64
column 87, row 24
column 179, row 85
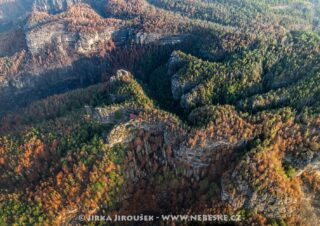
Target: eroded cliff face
column 13, row 11
column 60, row 54
column 206, row 168
column 58, row 6
column 53, row 6
column 179, row 86
column 78, row 31
column 66, row 50
column 162, row 167
column 235, row 164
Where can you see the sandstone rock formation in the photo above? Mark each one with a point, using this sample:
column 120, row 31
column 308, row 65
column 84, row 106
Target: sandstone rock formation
column 53, row 6
column 58, row 46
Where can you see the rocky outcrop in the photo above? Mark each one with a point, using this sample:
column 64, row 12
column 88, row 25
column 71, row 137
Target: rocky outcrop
column 56, row 35
column 143, row 38
column 58, row 57
column 57, row 6
column 56, row 43
column 258, row 184
column 193, row 160
column 162, row 155
column 183, row 83
column 176, row 62
column 53, row 6
column 69, row 33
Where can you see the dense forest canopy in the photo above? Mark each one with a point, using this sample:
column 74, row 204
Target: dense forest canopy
column 159, row 107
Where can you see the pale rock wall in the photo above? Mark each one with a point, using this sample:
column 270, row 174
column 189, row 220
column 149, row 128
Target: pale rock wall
column 53, row 6
column 56, row 35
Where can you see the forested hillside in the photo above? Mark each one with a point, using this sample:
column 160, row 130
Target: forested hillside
column 125, row 107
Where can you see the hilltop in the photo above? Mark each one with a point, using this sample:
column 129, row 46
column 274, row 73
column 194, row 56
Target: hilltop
column 159, row 107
